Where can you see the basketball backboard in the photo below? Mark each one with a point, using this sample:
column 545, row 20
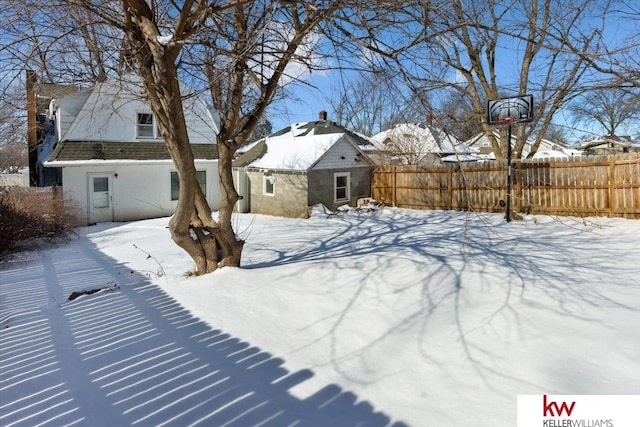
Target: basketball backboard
column 510, row 110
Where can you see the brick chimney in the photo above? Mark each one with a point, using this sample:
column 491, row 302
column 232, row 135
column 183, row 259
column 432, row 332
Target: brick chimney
column 430, row 118
column 322, row 115
column 32, row 124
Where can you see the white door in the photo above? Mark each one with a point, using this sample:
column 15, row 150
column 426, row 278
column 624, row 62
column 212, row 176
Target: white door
column 100, row 198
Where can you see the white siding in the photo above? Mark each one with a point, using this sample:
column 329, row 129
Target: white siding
column 340, row 156
column 110, row 114
column 140, row 190
column 67, row 109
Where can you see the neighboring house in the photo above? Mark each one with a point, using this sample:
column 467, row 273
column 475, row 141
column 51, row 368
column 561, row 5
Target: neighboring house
column 303, row 165
column 414, row 144
column 553, row 149
column 549, row 154
column 39, row 97
column 610, row 145
column 105, row 144
column 19, row 179
column 548, row 148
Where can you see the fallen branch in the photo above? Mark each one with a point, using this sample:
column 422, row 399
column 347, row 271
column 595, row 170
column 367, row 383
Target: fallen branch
column 111, row 287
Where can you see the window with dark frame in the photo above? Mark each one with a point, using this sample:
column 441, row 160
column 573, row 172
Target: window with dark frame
column 145, row 128
column 341, row 186
column 269, row 186
column 201, row 177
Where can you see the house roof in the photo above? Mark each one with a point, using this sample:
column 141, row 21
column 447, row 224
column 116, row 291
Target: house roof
column 418, row 137
column 321, row 127
column 298, row 147
column 45, row 92
column 481, row 140
column 81, row 151
column 545, row 154
column 624, row 141
column 103, row 110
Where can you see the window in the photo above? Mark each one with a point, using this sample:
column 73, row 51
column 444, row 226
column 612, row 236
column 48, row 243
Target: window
column 269, row 187
column 201, row 177
column 145, row 125
column 100, row 197
column 341, row 184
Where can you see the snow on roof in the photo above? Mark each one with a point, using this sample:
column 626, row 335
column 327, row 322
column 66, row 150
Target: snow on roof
column 546, row 154
column 482, row 140
column 624, row 141
column 418, row 136
column 297, row 149
column 558, row 149
column 459, row 158
column 46, row 148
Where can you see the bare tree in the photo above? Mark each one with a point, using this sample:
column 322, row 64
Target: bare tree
column 492, row 49
column 13, row 150
column 369, row 103
column 541, row 31
column 557, row 133
column 262, row 130
column 61, row 47
column 458, row 117
column 608, row 108
column 241, row 52
column 244, row 50
column 13, row 156
column 619, row 58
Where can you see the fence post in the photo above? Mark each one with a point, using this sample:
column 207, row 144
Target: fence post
column 519, row 196
column 612, row 185
column 393, row 194
column 450, row 189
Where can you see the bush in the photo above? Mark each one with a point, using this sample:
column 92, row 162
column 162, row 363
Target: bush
column 32, row 216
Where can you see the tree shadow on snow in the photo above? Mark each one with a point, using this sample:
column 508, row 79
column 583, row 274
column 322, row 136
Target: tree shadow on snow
column 458, row 256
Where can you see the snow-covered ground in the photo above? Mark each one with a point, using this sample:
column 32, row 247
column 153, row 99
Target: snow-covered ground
column 408, row 317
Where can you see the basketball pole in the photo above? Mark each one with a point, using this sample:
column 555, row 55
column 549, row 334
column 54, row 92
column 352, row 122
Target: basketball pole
column 508, row 204
column 508, row 111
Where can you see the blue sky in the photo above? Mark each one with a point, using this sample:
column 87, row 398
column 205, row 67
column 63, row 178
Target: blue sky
column 310, row 98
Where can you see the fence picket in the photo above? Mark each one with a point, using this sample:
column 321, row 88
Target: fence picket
column 579, row 186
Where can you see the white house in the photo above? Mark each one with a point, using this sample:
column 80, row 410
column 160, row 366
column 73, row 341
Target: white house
column 546, row 148
column 610, row 145
column 303, row 165
column 414, row 144
column 114, row 163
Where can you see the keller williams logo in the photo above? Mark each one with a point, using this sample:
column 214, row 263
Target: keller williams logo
column 552, row 409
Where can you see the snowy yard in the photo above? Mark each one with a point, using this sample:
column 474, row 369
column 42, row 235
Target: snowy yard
column 408, row 317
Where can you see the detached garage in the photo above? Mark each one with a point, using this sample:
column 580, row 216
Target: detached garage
column 303, row 165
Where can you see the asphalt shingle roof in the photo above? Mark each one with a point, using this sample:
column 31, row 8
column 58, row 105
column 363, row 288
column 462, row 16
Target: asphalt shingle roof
column 323, row 127
column 139, row 150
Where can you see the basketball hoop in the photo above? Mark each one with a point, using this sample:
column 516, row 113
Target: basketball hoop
column 506, row 121
column 510, row 110
column 507, row 111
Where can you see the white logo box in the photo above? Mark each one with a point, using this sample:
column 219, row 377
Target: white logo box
column 552, row 410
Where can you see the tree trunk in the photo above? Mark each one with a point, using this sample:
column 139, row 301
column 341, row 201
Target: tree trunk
column 229, row 198
column 209, row 243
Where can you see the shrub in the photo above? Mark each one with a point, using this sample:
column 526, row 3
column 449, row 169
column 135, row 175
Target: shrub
column 32, row 216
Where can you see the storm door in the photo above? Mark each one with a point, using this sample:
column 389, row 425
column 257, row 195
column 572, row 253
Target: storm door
column 100, row 198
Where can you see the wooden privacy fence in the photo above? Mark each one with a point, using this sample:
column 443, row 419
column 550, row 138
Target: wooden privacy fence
column 578, row 186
